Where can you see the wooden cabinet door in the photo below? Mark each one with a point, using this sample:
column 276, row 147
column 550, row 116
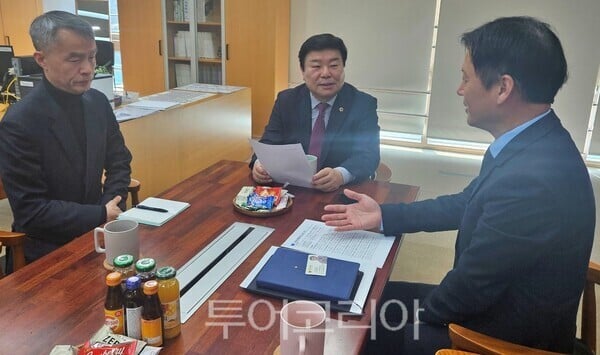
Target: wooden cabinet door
column 1, row 27
column 16, row 18
column 140, row 31
column 257, row 35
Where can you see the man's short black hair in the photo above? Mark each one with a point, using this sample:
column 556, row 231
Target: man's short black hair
column 321, row 42
column 523, row 47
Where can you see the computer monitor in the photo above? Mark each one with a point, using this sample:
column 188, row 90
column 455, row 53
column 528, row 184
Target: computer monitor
column 26, row 65
column 6, row 55
column 106, row 55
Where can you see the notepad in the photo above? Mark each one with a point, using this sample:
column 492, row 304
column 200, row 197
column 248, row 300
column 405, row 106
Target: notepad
column 286, row 271
column 155, row 218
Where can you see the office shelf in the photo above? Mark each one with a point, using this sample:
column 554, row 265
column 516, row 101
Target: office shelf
column 193, row 34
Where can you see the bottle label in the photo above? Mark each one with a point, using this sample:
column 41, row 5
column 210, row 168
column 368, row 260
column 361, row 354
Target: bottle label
column 134, row 316
column 152, row 332
column 171, row 314
column 115, row 320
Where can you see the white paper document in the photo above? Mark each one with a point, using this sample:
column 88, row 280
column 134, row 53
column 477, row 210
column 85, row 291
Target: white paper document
column 369, row 249
column 179, row 96
column 151, row 104
column 220, row 89
column 285, row 163
column 359, row 246
column 128, row 112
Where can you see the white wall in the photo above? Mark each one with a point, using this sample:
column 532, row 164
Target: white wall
column 575, row 23
column 389, row 49
column 64, row 5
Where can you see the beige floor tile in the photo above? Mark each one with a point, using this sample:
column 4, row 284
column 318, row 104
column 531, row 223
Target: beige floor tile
column 423, row 262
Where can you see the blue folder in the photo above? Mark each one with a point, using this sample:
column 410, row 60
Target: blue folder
column 285, row 272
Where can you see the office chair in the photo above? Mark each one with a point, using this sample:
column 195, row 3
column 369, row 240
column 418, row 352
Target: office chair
column 469, row 340
column 133, row 189
column 13, row 240
column 383, row 173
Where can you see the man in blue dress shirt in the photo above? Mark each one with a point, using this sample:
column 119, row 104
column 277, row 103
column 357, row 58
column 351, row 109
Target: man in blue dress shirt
column 525, row 224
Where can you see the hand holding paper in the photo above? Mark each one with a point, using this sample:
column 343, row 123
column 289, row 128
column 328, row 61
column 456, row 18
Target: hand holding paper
column 285, row 163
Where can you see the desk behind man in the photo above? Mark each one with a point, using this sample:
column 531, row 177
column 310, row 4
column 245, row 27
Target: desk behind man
column 330, row 118
column 58, row 141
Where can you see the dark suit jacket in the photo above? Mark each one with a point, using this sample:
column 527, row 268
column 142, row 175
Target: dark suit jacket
column 352, row 135
column 525, row 232
column 39, row 159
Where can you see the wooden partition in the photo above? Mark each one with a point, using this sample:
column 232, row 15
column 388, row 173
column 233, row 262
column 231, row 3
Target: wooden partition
column 172, row 145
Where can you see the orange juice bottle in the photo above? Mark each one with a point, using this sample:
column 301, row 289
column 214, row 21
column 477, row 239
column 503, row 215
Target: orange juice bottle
column 114, row 315
column 152, row 315
column 168, row 293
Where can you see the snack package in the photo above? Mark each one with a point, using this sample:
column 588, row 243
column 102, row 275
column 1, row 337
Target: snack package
column 269, row 191
column 127, row 348
column 242, row 197
column 283, row 202
column 105, row 342
column 257, row 202
column 105, row 336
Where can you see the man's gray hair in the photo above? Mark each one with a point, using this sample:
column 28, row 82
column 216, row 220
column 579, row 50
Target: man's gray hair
column 43, row 29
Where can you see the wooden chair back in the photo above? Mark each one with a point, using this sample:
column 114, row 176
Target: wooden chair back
column 469, row 340
column 2, row 193
column 134, row 189
column 383, row 173
column 13, row 240
column 588, row 306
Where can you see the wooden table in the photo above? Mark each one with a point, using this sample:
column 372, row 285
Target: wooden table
column 59, row 298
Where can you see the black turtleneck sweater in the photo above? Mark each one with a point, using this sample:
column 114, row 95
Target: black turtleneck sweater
column 73, row 108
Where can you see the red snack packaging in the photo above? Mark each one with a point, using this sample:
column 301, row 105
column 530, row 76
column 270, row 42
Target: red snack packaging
column 127, row 348
column 269, row 191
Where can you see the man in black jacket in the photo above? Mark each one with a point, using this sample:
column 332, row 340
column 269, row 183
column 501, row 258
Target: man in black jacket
column 58, row 141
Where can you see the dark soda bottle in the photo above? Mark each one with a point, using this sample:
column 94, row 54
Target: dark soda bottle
column 133, row 307
column 146, row 269
column 114, row 316
column 152, row 321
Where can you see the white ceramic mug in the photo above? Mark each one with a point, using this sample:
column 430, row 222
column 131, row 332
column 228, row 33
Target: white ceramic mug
column 312, row 162
column 302, row 328
column 120, row 237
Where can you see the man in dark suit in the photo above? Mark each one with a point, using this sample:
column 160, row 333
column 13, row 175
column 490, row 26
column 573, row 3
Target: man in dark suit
column 349, row 149
column 525, row 224
column 57, row 142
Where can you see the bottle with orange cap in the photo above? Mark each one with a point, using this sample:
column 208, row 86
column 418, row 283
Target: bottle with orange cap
column 152, row 321
column 113, row 306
